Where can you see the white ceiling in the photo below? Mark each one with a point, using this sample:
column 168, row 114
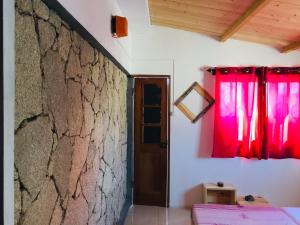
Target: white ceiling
column 137, row 13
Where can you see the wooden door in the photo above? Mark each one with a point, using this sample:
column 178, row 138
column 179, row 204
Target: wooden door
column 151, row 141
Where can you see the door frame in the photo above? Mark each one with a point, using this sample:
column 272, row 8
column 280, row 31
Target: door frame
column 149, row 76
column 1, row 122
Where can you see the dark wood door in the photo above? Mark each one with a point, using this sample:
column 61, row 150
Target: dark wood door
column 151, row 141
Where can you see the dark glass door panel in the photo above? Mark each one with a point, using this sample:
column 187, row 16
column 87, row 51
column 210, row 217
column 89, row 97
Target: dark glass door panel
column 151, row 115
column 152, row 94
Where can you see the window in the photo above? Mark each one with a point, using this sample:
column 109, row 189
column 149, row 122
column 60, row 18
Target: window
column 257, row 114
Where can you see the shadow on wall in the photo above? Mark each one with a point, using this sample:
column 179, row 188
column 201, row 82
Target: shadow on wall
column 193, row 196
column 206, row 125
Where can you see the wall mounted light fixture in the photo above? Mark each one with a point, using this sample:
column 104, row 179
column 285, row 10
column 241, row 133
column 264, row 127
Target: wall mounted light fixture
column 119, row 26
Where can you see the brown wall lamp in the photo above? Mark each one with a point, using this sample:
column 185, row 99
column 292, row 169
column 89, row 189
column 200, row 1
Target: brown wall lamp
column 119, row 26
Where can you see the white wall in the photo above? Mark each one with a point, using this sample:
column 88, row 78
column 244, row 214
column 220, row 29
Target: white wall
column 191, row 144
column 95, row 16
column 137, row 13
column 9, row 103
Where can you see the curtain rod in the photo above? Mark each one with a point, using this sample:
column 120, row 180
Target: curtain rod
column 246, row 70
column 226, row 70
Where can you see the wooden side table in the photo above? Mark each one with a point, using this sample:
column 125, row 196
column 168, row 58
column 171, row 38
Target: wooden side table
column 258, row 201
column 219, row 195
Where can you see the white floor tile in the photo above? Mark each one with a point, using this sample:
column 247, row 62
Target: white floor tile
column 153, row 215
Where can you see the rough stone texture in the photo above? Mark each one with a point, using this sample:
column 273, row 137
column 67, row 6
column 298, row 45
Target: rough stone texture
column 95, row 74
column 28, row 73
column 26, row 201
column 33, row 145
column 87, row 53
column 71, row 126
column 73, row 65
column 108, row 144
column 96, row 101
column 86, row 74
column 88, row 184
column 64, row 42
column 89, row 91
column 74, row 104
column 18, row 201
column 95, row 217
column 42, row 208
column 92, row 161
column 56, row 89
column 40, row 9
column 47, row 36
column 88, row 123
column 62, row 161
column 104, row 98
column 76, row 38
column 77, row 212
column 57, row 215
column 55, row 20
column 24, row 6
column 107, row 182
column 79, row 157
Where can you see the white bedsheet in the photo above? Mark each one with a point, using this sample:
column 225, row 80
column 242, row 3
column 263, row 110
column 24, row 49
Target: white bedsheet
column 294, row 212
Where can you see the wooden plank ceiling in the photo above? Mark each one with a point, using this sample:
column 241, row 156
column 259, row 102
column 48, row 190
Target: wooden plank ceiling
column 271, row 22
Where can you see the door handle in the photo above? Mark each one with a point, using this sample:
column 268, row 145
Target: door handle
column 163, row 144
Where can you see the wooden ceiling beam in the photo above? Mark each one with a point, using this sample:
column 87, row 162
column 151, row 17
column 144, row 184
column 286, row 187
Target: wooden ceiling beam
column 291, row 47
column 250, row 12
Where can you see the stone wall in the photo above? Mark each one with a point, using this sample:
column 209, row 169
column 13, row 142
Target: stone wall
column 70, row 125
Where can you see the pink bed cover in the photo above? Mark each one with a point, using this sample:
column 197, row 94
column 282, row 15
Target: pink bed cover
column 236, row 215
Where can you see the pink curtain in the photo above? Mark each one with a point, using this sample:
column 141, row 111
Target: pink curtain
column 282, row 129
column 257, row 115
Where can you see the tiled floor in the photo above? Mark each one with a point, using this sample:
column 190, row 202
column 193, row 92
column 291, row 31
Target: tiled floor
column 152, row 215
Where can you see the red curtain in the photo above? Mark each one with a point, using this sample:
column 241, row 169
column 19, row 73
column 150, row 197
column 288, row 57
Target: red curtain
column 236, row 113
column 282, row 139
column 256, row 115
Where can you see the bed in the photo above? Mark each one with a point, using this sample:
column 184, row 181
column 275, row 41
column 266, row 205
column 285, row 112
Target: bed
column 210, row 214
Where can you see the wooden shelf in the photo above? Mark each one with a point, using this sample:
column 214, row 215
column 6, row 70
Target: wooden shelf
column 212, row 194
